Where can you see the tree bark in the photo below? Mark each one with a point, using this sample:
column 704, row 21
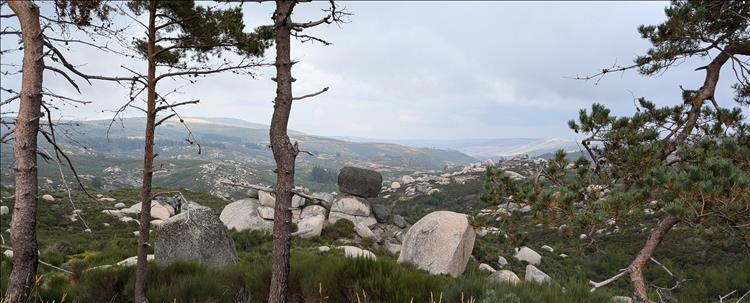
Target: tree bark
column 636, row 268
column 23, row 223
column 284, row 152
column 148, row 162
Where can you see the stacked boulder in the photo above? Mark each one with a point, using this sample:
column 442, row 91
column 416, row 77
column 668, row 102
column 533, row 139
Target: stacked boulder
column 257, row 213
column 356, row 186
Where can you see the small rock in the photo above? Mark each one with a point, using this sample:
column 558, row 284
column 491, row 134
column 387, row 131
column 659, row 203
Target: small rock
column 88, row 230
column 621, row 299
column 504, row 276
column 8, row 253
column 528, row 255
column 298, row 201
column 120, row 205
column 266, row 212
column 382, row 214
column 105, row 224
column 356, row 252
column 533, row 274
column 48, row 198
column 323, row 248
column 583, row 236
column 399, row 221
column 502, row 261
column 105, row 199
column 548, row 248
column 156, row 223
column 134, row 260
column 563, row 256
column 395, row 185
column 486, row 267
column 363, row 231
column 266, row 199
column 407, row 179
column 4, row 210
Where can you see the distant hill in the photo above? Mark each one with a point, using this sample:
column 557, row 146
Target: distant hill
column 497, row 148
column 230, row 150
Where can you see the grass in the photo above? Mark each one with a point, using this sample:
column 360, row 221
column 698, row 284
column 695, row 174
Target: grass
column 713, row 264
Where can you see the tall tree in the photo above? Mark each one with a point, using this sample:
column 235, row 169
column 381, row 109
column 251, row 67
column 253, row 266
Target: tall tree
column 284, row 151
column 26, row 126
column 181, row 37
column 685, row 164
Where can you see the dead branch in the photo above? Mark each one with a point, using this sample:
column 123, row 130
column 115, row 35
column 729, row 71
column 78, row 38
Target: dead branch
column 597, row 285
column 310, row 95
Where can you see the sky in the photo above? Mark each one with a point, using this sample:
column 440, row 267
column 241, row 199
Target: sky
column 428, row 70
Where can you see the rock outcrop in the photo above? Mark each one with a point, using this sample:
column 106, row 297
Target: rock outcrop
column 197, row 235
column 441, row 243
column 359, row 181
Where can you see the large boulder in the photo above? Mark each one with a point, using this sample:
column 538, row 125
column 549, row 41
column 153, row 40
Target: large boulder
column 310, row 226
column 325, row 199
column 504, row 276
column 528, row 255
column 195, row 236
column 243, row 214
column 313, row 210
column 160, row 212
column 351, row 205
column 441, row 243
column 534, row 274
column 359, row 181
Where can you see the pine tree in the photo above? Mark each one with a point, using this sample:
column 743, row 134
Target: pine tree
column 36, row 32
column 686, row 164
column 181, row 38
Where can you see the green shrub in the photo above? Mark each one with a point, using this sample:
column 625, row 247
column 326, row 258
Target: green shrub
column 343, row 228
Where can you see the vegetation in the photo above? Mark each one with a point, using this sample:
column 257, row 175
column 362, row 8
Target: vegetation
column 323, row 175
column 686, row 164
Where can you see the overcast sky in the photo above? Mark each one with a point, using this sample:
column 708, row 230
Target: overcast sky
column 433, row 70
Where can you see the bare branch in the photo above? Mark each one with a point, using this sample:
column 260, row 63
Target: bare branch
column 310, row 95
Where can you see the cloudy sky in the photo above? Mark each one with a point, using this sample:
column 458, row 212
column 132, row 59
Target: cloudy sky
column 432, row 70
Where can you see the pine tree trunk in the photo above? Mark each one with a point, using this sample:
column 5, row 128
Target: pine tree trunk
column 23, row 223
column 284, row 153
column 148, row 163
column 636, row 268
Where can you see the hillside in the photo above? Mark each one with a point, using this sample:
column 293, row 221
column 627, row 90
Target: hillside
column 220, row 150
